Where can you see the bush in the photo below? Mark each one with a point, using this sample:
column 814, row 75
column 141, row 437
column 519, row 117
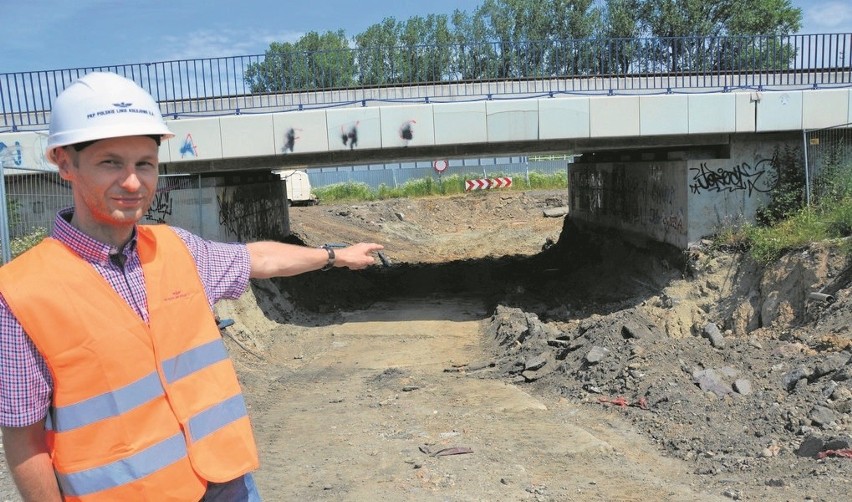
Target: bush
column 25, row 242
column 788, row 194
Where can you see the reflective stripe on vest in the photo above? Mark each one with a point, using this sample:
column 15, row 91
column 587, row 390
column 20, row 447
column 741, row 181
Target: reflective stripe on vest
column 124, row 471
column 147, row 389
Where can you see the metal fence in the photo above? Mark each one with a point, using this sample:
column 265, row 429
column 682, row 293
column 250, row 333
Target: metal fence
column 431, row 73
column 30, row 199
column 828, row 163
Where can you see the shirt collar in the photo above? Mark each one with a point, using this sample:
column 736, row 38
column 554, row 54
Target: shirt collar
column 89, row 248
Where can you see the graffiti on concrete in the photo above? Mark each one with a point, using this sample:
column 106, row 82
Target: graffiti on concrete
column 161, row 207
column 406, row 132
column 251, row 212
column 188, row 148
column 290, row 140
column 759, row 178
column 14, row 152
column 643, row 197
column 349, row 135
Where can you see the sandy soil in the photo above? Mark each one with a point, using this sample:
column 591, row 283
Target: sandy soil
column 505, row 355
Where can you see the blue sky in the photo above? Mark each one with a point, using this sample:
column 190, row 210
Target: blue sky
column 54, row 34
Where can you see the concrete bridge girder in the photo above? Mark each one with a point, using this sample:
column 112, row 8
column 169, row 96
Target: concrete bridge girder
column 677, row 146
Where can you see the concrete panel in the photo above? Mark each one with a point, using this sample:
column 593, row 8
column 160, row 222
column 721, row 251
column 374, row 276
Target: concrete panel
column 614, row 116
column 354, row 128
column 560, row 118
column 712, row 113
column 300, row 132
column 24, row 150
column 779, row 111
column 849, row 116
column 641, row 198
column 825, row 108
column 458, row 123
column 195, row 139
column 746, row 103
column 408, row 125
column 512, row 120
column 664, row 114
column 247, row 135
column 730, row 191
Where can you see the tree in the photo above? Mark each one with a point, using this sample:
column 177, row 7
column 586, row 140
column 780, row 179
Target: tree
column 573, row 26
column 475, row 53
column 620, row 25
column 376, row 46
column 509, row 39
column 425, row 54
column 314, row 62
column 690, row 31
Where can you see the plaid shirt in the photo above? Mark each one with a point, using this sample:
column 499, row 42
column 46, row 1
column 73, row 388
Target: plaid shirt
column 25, row 381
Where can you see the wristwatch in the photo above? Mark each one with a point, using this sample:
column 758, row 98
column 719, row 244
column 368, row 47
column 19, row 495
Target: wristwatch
column 330, row 263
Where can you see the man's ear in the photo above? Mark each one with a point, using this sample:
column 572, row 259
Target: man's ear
column 62, row 158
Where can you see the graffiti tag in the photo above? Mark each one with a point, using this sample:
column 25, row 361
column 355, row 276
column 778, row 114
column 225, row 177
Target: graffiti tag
column 160, row 207
column 741, row 177
column 15, row 152
column 188, row 147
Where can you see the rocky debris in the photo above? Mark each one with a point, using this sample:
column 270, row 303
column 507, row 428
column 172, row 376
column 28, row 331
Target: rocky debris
column 556, row 212
column 712, row 333
column 721, row 399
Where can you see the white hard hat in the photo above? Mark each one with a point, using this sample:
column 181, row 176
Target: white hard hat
column 103, row 105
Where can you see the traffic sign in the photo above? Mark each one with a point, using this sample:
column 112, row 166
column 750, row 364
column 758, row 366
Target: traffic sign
column 486, row 183
column 441, row 165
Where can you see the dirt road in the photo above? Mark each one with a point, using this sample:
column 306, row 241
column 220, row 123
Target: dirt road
column 384, row 406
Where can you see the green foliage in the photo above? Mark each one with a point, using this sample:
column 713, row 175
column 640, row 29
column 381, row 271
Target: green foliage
column 430, row 186
column 788, row 194
column 314, row 62
column 834, row 181
column 799, row 230
column 23, row 243
column 831, row 218
column 548, row 181
column 344, row 192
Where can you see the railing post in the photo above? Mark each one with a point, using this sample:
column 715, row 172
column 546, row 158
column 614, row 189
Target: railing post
column 5, row 240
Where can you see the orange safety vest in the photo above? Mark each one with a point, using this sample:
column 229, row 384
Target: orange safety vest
column 139, row 412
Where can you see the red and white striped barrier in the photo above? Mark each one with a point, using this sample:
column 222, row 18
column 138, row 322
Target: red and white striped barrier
column 486, row 183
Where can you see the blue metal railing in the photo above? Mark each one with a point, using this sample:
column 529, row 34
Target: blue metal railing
column 429, row 73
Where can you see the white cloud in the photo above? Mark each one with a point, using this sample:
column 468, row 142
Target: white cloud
column 833, row 16
column 218, row 43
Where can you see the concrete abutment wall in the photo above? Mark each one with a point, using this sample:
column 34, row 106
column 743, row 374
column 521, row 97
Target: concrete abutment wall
column 226, row 208
column 682, row 196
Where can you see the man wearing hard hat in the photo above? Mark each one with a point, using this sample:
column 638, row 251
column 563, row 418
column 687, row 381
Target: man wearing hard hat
column 114, row 381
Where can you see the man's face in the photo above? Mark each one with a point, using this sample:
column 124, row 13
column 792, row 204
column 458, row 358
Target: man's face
column 114, row 180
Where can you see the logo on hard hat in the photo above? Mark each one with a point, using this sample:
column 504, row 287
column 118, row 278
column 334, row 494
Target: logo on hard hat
column 122, row 107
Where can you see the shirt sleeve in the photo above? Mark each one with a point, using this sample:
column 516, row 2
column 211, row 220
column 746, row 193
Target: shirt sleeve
column 25, row 380
column 223, row 267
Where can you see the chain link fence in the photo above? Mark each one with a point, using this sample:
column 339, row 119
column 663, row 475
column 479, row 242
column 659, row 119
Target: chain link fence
column 828, row 163
column 29, row 200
